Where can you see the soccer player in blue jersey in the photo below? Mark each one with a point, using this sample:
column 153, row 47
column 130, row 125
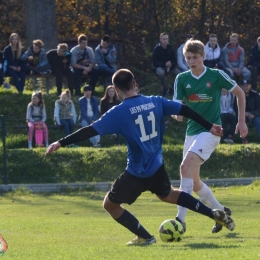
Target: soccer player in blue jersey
column 201, row 88
column 140, row 120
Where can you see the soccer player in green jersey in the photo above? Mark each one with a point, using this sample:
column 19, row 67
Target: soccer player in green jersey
column 201, row 88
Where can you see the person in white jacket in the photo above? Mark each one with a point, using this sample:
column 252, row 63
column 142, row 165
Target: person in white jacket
column 65, row 113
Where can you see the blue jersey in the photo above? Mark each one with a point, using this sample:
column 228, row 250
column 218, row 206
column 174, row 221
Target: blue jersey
column 140, row 120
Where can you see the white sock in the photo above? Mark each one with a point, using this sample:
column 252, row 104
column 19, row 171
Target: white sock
column 207, row 197
column 186, row 186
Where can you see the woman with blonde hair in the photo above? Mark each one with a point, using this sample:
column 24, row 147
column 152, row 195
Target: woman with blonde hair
column 13, row 65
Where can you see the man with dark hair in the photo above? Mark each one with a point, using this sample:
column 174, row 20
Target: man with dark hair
column 83, row 63
column 164, row 61
column 140, row 120
column 254, row 63
column 106, row 59
column 59, row 59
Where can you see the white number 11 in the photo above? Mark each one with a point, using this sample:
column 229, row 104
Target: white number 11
column 139, row 121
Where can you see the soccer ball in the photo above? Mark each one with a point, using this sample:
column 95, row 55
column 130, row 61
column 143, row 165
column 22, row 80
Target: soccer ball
column 171, row 230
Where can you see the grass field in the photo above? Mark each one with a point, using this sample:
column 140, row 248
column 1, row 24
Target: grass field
column 75, row 226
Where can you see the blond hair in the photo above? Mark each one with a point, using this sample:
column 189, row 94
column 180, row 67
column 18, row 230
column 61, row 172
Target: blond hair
column 18, row 47
column 194, row 46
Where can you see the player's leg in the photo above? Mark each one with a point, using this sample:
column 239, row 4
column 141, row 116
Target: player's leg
column 127, row 189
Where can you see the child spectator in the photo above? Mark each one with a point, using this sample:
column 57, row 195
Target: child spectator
column 65, row 113
column 13, row 65
column 107, row 102
column 227, row 115
column 36, row 113
column 89, row 113
column 36, row 59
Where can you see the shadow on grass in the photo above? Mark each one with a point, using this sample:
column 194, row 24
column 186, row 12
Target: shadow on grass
column 208, row 245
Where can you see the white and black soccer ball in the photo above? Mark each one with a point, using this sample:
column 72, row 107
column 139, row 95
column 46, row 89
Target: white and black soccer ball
column 171, row 230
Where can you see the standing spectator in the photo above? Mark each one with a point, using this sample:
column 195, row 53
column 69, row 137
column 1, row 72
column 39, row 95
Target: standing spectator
column 106, row 58
column 2, row 80
column 164, row 61
column 13, row 65
column 89, row 113
column 107, row 102
column 36, row 113
column 252, row 110
column 36, row 59
column 183, row 66
column 83, row 62
column 212, row 52
column 234, row 58
column 227, row 115
column 254, row 63
column 65, row 113
column 59, row 59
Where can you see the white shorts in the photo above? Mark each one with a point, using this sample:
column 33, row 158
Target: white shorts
column 202, row 144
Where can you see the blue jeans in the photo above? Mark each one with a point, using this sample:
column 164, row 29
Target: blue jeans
column 94, row 139
column 256, row 123
column 18, row 78
column 68, row 125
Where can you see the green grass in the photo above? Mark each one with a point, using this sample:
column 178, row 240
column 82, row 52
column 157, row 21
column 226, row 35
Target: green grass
column 74, row 226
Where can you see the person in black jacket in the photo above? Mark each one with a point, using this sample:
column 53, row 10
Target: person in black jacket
column 254, row 63
column 13, row 65
column 59, row 59
column 252, row 107
column 164, row 61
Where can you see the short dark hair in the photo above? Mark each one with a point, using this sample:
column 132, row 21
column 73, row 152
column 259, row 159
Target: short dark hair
column 163, row 33
column 87, row 88
column 39, row 43
column 213, row 35
column 106, row 38
column 123, row 79
column 82, row 37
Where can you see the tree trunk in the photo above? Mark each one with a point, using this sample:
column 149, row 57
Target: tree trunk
column 41, row 22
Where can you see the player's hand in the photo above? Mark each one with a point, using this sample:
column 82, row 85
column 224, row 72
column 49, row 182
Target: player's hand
column 178, row 117
column 242, row 129
column 52, row 148
column 216, row 130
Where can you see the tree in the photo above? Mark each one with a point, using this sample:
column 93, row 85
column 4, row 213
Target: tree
column 40, row 17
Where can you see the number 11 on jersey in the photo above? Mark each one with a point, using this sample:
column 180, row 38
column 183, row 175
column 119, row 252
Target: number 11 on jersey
column 139, row 121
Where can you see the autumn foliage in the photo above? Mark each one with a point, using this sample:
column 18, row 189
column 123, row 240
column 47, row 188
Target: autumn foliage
column 137, row 24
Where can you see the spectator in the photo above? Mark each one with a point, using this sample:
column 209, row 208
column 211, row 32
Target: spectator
column 164, row 61
column 83, row 62
column 89, row 113
column 59, row 59
column 36, row 59
column 36, row 113
column 254, row 63
column 212, row 52
column 65, row 113
column 107, row 102
column 2, row 80
column 106, row 58
column 183, row 66
column 227, row 115
column 13, row 65
column 234, row 58
column 252, row 113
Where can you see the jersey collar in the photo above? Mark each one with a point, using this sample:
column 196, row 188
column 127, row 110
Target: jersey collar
column 198, row 77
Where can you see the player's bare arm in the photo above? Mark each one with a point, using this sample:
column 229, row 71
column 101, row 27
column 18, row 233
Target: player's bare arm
column 241, row 104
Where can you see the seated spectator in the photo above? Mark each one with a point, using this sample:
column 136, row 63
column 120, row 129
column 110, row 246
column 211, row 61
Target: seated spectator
column 212, row 52
column 234, row 58
column 252, row 107
column 227, row 115
column 107, row 102
column 65, row 113
column 59, row 59
column 254, row 63
column 164, row 61
column 183, row 66
column 36, row 113
column 106, row 58
column 13, row 65
column 36, row 59
column 2, row 80
column 89, row 113
column 83, row 63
